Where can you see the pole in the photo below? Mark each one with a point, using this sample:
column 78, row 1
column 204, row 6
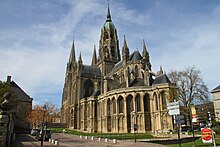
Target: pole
column 178, row 130
column 191, row 123
column 42, row 129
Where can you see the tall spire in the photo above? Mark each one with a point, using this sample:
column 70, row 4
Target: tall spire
column 80, row 59
column 94, row 58
column 72, row 58
column 144, row 53
column 125, row 52
column 108, row 14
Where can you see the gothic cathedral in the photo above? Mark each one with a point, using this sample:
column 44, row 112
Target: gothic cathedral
column 113, row 94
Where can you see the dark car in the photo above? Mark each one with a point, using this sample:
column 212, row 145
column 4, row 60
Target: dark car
column 35, row 131
column 40, row 135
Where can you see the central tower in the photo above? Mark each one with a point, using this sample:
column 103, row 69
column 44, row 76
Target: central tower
column 109, row 53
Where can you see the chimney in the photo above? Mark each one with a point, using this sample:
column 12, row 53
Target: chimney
column 8, row 79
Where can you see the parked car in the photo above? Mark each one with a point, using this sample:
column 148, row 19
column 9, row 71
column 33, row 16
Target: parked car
column 35, row 131
column 40, row 135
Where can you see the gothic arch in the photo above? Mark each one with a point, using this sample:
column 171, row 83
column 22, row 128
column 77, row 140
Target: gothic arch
column 113, row 105
column 138, row 103
column 109, row 115
column 147, row 113
column 163, row 100
column 88, row 88
column 120, row 104
column 130, row 108
column 156, row 107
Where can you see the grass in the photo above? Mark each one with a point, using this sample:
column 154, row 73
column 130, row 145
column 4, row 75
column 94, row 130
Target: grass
column 198, row 144
column 118, row 136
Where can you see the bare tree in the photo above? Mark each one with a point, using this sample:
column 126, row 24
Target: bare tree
column 191, row 87
column 35, row 117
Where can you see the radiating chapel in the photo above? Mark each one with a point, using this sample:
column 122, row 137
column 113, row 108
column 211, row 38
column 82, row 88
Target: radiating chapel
column 116, row 91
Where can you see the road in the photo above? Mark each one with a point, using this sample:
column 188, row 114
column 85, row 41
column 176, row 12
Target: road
column 67, row 140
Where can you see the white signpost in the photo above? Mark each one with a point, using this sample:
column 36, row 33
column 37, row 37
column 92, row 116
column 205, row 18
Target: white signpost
column 173, row 108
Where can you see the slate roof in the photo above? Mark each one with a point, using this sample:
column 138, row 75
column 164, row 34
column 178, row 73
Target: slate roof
column 216, row 89
column 137, row 82
column 91, row 70
column 135, row 56
column 20, row 92
column 161, row 79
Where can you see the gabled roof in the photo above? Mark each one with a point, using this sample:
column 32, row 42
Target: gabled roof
column 20, row 92
column 216, row 89
column 135, row 56
column 161, row 79
column 91, row 70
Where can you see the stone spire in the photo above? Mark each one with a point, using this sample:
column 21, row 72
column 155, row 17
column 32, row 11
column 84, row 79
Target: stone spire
column 125, row 52
column 94, row 58
column 72, row 58
column 108, row 14
column 80, row 59
column 145, row 55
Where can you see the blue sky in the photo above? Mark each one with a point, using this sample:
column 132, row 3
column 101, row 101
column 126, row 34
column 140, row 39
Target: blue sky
column 36, row 37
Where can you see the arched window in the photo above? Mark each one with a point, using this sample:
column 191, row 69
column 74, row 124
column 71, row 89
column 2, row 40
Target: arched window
column 146, row 103
column 121, row 104
column 114, row 105
column 130, row 106
column 108, row 107
column 138, row 103
column 136, row 72
column 164, row 101
column 156, row 101
column 88, row 88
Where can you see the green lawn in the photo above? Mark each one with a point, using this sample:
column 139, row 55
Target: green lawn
column 118, row 136
column 198, row 143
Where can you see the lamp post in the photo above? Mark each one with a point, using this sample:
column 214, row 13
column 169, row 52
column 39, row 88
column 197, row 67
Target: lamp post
column 135, row 125
column 43, row 124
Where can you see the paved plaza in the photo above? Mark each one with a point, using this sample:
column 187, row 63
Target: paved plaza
column 67, row 140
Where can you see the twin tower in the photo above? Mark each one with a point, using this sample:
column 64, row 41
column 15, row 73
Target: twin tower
column 113, row 94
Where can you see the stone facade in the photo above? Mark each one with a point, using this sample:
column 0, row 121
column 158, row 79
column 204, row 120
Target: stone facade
column 111, row 95
column 216, row 101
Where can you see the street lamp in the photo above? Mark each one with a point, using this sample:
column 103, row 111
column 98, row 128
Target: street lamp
column 43, row 124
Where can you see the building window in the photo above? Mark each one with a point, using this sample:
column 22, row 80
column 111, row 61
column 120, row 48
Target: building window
column 136, row 72
column 114, row 105
column 156, row 101
column 138, row 103
column 164, row 102
column 146, row 103
column 121, row 104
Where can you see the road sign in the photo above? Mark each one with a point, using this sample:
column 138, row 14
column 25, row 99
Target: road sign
column 135, row 127
column 206, row 135
column 43, row 123
column 179, row 117
column 173, row 108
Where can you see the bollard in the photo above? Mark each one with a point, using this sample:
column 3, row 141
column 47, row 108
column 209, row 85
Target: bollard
column 50, row 140
column 106, row 139
column 53, row 141
column 92, row 138
column 80, row 136
column 99, row 139
column 86, row 137
column 56, row 142
column 114, row 141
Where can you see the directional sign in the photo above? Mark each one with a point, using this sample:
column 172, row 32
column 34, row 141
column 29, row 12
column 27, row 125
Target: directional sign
column 173, row 108
column 179, row 117
column 180, row 121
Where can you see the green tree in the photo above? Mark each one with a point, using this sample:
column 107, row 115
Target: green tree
column 191, row 87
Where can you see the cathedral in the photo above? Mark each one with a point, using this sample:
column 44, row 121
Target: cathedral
column 116, row 92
